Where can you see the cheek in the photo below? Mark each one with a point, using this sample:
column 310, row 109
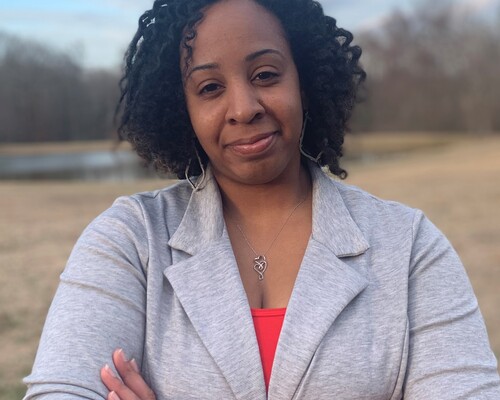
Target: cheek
column 291, row 106
column 198, row 119
column 207, row 119
column 205, row 130
column 203, row 127
column 292, row 112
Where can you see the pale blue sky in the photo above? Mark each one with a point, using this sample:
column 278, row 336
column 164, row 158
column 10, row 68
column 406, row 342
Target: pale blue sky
column 98, row 31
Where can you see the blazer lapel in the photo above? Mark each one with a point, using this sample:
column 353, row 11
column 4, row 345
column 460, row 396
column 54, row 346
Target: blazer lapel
column 325, row 285
column 206, row 280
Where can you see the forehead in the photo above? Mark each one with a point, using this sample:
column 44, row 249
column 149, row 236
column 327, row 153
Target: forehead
column 237, row 26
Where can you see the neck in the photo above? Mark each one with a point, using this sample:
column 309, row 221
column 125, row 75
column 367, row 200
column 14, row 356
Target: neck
column 265, row 201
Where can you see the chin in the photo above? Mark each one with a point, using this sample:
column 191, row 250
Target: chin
column 258, row 172
column 260, row 175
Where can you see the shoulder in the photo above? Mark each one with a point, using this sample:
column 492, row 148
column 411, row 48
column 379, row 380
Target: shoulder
column 391, row 224
column 365, row 208
column 159, row 206
column 175, row 195
column 142, row 216
column 131, row 228
column 394, row 225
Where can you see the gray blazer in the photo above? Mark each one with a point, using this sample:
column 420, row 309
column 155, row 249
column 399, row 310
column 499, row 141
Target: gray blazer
column 381, row 308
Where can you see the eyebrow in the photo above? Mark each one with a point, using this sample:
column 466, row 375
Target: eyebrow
column 202, row 67
column 262, row 52
column 249, row 58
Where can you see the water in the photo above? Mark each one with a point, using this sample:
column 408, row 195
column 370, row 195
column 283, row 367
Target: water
column 95, row 165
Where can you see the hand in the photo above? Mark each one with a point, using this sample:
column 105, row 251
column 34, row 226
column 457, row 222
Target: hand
column 130, row 385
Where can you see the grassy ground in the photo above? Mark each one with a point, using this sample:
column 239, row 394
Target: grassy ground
column 455, row 182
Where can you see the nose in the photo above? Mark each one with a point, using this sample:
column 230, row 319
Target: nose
column 244, row 104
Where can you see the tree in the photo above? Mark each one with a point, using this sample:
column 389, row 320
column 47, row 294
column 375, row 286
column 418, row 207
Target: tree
column 433, row 69
column 46, row 95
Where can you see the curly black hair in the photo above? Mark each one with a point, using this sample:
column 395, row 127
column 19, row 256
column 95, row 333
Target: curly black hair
column 154, row 116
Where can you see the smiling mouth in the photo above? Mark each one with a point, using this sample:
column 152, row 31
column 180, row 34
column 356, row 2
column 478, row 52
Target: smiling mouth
column 254, row 145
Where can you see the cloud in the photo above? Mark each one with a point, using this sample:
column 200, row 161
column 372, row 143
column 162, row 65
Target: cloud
column 134, row 8
column 45, row 17
column 98, row 40
column 356, row 15
column 476, row 6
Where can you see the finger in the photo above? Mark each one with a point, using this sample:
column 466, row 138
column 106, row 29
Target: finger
column 131, row 376
column 112, row 396
column 118, row 390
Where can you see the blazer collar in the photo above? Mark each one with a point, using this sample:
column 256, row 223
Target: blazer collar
column 203, row 220
column 206, row 280
column 209, row 287
column 333, row 226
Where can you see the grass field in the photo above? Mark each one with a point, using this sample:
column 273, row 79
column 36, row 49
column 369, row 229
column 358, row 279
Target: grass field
column 456, row 182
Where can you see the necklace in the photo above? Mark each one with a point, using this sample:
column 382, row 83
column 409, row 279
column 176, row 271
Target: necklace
column 260, row 261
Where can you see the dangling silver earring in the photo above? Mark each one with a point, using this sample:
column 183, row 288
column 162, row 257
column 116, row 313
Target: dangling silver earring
column 302, row 151
column 186, row 172
column 186, row 175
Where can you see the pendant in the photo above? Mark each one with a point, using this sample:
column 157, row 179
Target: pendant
column 260, row 266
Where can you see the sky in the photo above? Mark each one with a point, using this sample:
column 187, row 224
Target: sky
column 96, row 32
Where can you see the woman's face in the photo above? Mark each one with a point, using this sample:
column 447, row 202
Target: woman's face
column 243, row 94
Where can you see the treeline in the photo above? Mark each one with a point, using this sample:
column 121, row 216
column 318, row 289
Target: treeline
column 435, row 69
column 46, row 95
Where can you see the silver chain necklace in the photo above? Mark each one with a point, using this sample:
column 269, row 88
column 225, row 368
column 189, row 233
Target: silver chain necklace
column 260, row 261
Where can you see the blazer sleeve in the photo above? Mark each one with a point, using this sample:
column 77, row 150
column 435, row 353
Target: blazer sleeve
column 449, row 353
column 99, row 306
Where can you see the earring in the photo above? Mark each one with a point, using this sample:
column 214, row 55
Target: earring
column 302, row 151
column 196, row 186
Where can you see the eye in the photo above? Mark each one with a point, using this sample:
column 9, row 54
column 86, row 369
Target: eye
column 266, row 76
column 210, row 88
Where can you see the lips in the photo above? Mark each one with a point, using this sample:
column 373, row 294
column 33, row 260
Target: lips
column 254, row 145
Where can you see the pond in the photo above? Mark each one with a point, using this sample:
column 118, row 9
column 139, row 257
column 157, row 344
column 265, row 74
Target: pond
column 93, row 165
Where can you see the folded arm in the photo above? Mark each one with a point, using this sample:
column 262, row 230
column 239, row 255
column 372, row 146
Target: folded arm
column 99, row 306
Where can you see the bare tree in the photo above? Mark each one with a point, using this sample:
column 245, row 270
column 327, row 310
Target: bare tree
column 46, row 95
column 433, row 69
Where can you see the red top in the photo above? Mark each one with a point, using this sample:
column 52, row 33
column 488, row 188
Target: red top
column 268, row 323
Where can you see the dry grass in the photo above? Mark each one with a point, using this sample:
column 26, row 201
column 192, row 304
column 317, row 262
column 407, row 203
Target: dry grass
column 457, row 185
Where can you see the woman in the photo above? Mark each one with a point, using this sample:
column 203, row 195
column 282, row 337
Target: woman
column 199, row 281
